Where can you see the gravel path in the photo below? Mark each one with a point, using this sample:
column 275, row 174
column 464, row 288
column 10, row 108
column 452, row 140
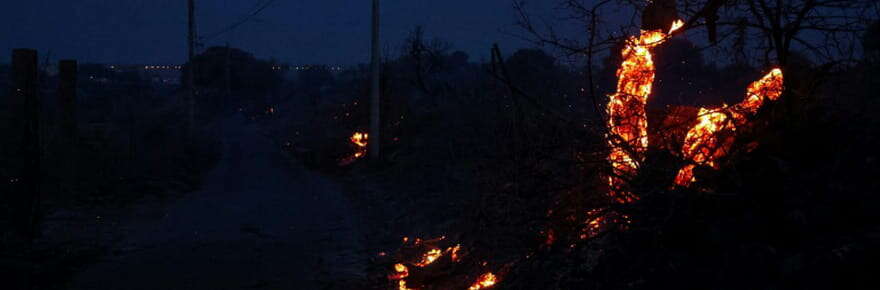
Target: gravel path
column 257, row 223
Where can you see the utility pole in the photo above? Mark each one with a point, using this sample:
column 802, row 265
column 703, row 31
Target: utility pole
column 375, row 123
column 192, row 67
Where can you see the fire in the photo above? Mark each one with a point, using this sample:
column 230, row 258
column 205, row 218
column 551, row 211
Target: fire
column 400, row 272
column 676, row 25
column 430, row 257
column 551, row 238
column 628, row 121
column 705, row 143
column 768, row 87
column 360, row 141
column 601, row 219
column 595, row 223
column 401, row 285
column 453, row 253
column 702, row 145
column 485, row 281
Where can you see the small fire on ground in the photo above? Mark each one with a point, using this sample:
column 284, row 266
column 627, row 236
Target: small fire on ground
column 360, row 141
column 628, row 140
column 420, row 259
column 485, row 281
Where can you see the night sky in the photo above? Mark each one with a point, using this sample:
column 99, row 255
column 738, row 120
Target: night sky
column 294, row 31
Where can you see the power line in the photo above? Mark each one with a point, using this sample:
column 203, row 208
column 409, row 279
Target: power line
column 259, row 8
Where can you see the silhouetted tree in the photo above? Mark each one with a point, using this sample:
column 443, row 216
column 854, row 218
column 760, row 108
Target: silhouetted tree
column 871, row 42
column 538, row 73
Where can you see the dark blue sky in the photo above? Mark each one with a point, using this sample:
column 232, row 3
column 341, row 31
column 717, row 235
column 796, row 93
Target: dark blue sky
column 295, row 31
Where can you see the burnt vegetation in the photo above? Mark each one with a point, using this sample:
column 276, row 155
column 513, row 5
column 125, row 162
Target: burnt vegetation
column 508, row 159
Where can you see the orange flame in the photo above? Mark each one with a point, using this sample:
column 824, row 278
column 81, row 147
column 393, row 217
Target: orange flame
column 429, row 257
column 360, row 141
column 768, row 87
column 628, row 121
column 676, row 25
column 704, row 143
column 595, row 223
column 601, row 219
column 453, row 253
column 485, row 281
column 401, row 285
column 400, row 272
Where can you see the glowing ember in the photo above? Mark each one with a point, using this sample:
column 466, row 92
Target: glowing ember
column 429, row 257
column 360, row 141
column 551, row 238
column 676, row 25
column 453, row 253
column 628, row 121
column 768, row 87
column 595, row 224
column 485, row 281
column 601, row 219
column 401, row 285
column 400, row 272
column 705, row 143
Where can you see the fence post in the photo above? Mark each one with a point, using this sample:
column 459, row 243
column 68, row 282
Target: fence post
column 27, row 189
column 24, row 126
column 69, row 131
column 67, row 70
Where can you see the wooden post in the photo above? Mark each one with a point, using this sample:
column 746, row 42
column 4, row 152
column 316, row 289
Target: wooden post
column 26, row 117
column 67, row 70
column 68, row 129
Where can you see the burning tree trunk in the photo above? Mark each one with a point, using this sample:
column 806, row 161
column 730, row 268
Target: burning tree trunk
column 713, row 135
column 628, row 121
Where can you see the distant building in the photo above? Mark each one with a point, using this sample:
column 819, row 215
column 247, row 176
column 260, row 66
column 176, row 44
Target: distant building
column 159, row 75
column 330, row 68
column 170, row 74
